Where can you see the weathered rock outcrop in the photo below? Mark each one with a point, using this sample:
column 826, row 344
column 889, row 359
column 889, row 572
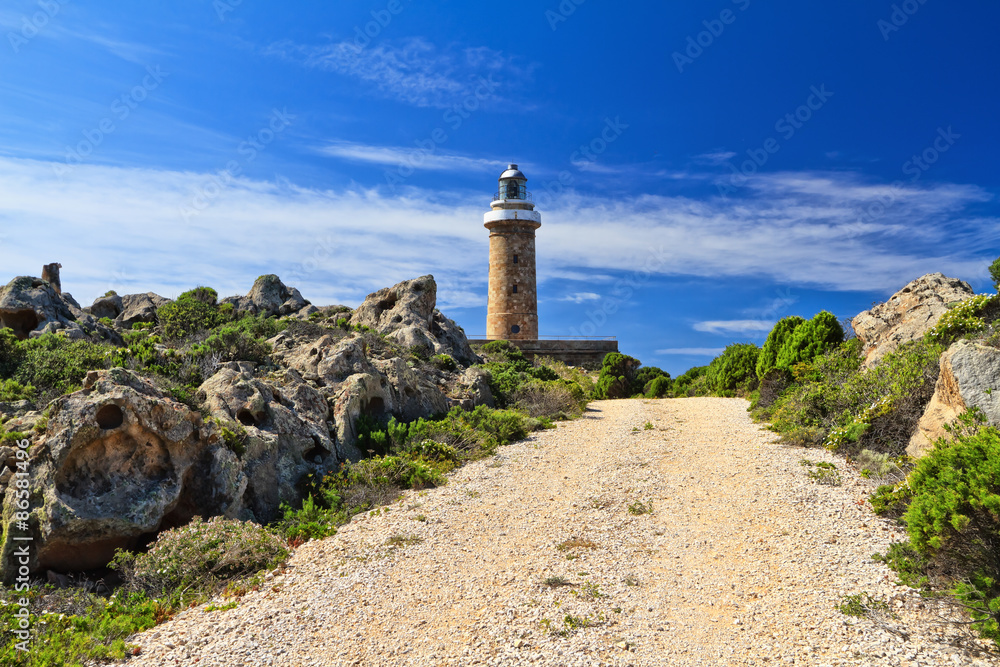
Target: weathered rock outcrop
column 110, row 306
column 269, row 296
column 50, row 274
column 117, row 463
column 908, row 314
column 407, row 313
column 969, row 377
column 287, row 434
column 30, row 304
column 137, row 308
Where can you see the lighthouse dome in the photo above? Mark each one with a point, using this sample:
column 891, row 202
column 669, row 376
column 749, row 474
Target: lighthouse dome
column 512, row 172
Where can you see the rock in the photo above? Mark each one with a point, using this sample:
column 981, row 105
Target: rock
column 406, row 313
column 50, row 274
column 969, row 377
column 139, row 308
column 30, row 305
column 107, row 306
column 119, row 462
column 908, row 314
column 269, row 296
column 474, row 385
column 287, row 435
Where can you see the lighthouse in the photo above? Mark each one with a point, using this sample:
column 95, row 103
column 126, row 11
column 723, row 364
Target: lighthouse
column 512, row 313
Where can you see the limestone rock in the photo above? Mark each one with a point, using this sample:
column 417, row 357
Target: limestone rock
column 118, row 462
column 287, row 435
column 139, row 308
column 473, row 388
column 969, row 377
column 50, row 274
column 269, row 296
column 908, row 314
column 406, row 313
column 29, row 305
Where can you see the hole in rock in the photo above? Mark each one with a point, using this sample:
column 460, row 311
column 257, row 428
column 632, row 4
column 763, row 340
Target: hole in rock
column 246, row 418
column 110, row 416
column 22, row 322
column 388, row 302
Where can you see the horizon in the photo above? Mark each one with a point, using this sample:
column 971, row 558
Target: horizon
column 701, row 171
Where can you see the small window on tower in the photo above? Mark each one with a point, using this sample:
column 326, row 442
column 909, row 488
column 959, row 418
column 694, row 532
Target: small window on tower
column 515, row 259
column 515, row 329
column 515, row 289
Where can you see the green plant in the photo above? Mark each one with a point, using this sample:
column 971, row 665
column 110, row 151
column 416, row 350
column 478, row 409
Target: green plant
column 576, row 543
column 401, row 540
column 617, row 378
column 55, row 365
column 734, row 370
column 822, row 472
column 638, row 508
column 659, row 387
column 810, row 339
column 863, row 605
column 891, row 500
column 556, row 581
column 444, row 362
column 193, row 311
column 235, row 437
column 310, row 522
column 648, row 426
column 12, row 390
column 994, row 269
column 964, row 318
column 691, row 383
column 781, row 332
column 908, row 563
column 245, row 339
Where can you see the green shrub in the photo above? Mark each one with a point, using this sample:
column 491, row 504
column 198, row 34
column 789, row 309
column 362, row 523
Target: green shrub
column 12, row 390
column 617, row 378
column 193, row 311
column 444, row 362
column 554, row 399
column 965, row 318
column 659, row 387
column 234, row 343
column 891, row 500
column 734, row 370
column 193, row 562
column 54, row 365
column 781, row 332
column 312, row 521
column 954, row 517
column 11, row 355
column 995, row 273
column 644, row 376
column 810, row 339
column 691, row 383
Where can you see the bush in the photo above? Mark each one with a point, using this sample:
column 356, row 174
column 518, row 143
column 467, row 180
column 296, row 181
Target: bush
column 954, row 517
column 193, row 562
column 734, row 370
column 617, row 378
column 236, row 342
column 810, row 339
column 644, row 376
column 312, row 521
column 995, row 273
column 444, row 362
column 11, row 355
column 193, row 311
column 965, row 318
column 659, row 387
column 781, row 332
column 691, row 383
column 55, row 365
column 12, row 390
column 556, row 399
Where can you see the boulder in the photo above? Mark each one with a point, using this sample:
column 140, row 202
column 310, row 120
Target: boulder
column 110, row 306
column 969, row 377
column 269, row 296
column 118, row 462
column 406, row 313
column 50, row 274
column 286, row 434
column 30, row 304
column 139, row 308
column 908, row 314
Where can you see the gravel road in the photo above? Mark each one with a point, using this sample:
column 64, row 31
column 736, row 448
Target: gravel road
column 742, row 560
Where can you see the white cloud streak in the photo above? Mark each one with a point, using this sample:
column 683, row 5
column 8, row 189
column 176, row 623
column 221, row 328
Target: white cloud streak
column 692, row 351
column 734, row 326
column 415, row 157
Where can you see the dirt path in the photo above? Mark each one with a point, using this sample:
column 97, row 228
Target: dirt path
column 741, row 562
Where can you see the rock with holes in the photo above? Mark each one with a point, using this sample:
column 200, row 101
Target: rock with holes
column 117, row 462
column 139, row 308
column 406, row 313
column 269, row 296
column 969, row 377
column 279, row 430
column 908, row 314
column 29, row 305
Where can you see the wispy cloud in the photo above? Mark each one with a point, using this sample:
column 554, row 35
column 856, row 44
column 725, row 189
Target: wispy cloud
column 692, row 351
column 733, row 326
column 413, row 70
column 416, row 157
column 581, row 297
column 714, row 159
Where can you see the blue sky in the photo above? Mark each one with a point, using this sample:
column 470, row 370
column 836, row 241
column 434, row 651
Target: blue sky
column 702, row 168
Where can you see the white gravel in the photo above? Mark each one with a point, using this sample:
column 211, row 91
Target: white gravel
column 741, row 562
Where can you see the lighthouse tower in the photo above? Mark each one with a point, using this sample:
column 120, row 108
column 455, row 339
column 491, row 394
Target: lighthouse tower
column 513, row 299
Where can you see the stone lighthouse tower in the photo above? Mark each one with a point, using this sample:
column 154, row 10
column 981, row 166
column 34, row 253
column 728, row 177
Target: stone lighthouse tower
column 513, row 300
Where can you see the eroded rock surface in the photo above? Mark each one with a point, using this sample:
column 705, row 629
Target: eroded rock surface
column 908, row 314
column 269, row 296
column 969, row 377
column 137, row 308
column 31, row 304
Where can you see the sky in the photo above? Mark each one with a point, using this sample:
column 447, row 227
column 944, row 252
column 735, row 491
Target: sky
column 702, row 168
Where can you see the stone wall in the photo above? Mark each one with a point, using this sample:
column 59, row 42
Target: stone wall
column 589, row 353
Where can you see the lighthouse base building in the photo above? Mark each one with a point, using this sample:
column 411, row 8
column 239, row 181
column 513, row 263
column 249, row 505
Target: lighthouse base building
column 512, row 313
